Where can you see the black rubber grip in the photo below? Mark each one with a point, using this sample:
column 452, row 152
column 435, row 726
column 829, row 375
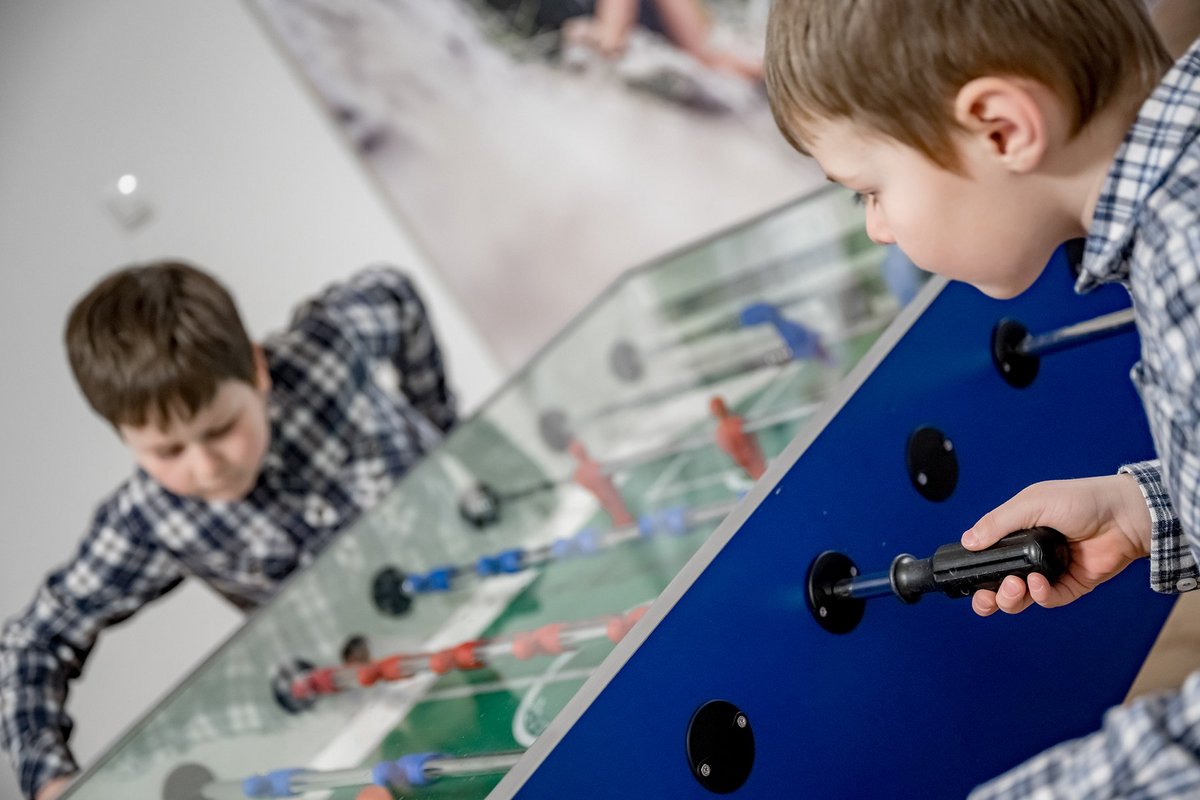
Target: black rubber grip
column 959, row 572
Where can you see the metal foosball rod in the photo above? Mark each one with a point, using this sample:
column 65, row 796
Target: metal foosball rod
column 414, row 770
column 671, row 521
column 1017, row 353
column 548, row 640
column 480, row 504
column 394, row 590
column 733, row 321
column 1079, row 333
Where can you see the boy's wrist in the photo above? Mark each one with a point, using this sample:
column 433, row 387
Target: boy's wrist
column 1133, row 513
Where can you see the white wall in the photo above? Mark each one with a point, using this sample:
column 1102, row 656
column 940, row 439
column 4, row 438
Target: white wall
column 247, row 178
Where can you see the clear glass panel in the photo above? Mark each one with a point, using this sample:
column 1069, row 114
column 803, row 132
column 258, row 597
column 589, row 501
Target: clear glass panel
column 632, row 380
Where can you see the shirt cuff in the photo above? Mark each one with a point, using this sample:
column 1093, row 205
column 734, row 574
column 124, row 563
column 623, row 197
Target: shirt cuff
column 1172, row 565
column 46, row 758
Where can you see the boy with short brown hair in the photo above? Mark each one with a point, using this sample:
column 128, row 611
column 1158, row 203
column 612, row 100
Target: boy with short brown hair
column 132, row 365
column 250, row 459
column 980, row 136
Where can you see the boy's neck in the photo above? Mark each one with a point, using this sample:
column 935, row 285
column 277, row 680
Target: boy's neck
column 1082, row 165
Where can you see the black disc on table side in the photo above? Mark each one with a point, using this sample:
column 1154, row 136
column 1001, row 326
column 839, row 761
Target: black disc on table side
column 554, row 430
column 479, row 504
column 932, row 464
column 281, row 686
column 1017, row 369
column 387, row 592
column 356, row 650
column 720, row 746
column 834, row 614
column 186, row 782
column 625, row 361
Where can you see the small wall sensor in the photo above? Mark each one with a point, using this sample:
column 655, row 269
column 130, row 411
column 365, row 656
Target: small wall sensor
column 126, row 201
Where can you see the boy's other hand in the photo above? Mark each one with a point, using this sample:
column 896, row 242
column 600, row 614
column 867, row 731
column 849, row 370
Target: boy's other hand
column 1104, row 519
column 53, row 788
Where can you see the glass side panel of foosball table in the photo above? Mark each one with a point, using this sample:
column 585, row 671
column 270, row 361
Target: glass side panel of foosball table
column 768, row 316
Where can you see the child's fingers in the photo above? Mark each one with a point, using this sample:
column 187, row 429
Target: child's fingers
column 1015, row 595
column 1041, row 590
column 1012, row 596
column 984, row 603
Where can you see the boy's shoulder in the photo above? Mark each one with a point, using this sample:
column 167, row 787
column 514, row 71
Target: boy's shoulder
column 1162, row 154
column 338, row 334
column 353, row 303
column 1149, row 205
column 1162, row 148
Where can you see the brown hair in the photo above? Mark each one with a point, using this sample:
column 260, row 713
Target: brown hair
column 155, row 341
column 896, row 65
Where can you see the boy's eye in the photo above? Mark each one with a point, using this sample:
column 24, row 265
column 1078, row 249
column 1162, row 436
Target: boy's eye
column 217, row 433
column 167, row 453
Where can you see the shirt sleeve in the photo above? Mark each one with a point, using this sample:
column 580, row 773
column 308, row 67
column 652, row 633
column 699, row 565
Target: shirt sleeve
column 1147, row 749
column 116, row 571
column 1169, row 320
column 380, row 310
column 1172, row 565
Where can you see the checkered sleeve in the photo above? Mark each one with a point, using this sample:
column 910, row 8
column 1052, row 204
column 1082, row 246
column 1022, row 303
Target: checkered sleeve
column 1168, row 387
column 1172, row 566
column 1147, row 750
column 116, row 571
column 380, row 309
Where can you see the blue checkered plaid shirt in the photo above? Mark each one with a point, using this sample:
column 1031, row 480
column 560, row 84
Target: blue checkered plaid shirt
column 339, row 441
column 1146, row 234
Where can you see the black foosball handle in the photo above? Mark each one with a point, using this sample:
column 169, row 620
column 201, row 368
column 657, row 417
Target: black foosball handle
column 838, row 594
column 956, row 571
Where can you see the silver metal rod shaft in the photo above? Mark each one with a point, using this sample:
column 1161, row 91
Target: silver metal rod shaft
column 865, row 587
column 751, row 425
column 312, row 781
column 1079, row 333
column 473, row 765
column 305, row 781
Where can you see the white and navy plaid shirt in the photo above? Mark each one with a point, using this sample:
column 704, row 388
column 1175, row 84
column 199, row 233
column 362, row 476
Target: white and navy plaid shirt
column 339, row 441
column 1146, row 235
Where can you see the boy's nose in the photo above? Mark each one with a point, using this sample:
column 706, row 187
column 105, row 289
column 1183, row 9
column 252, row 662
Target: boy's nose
column 878, row 230
column 207, row 466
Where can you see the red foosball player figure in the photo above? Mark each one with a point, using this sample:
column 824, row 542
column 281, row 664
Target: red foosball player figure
column 731, row 437
column 591, row 476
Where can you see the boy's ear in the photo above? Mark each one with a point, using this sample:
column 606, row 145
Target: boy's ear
column 262, row 374
column 1006, row 117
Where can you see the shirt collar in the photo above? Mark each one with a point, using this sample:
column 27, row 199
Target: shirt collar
column 1166, row 123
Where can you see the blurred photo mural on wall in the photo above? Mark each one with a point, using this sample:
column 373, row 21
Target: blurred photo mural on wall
column 538, row 148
